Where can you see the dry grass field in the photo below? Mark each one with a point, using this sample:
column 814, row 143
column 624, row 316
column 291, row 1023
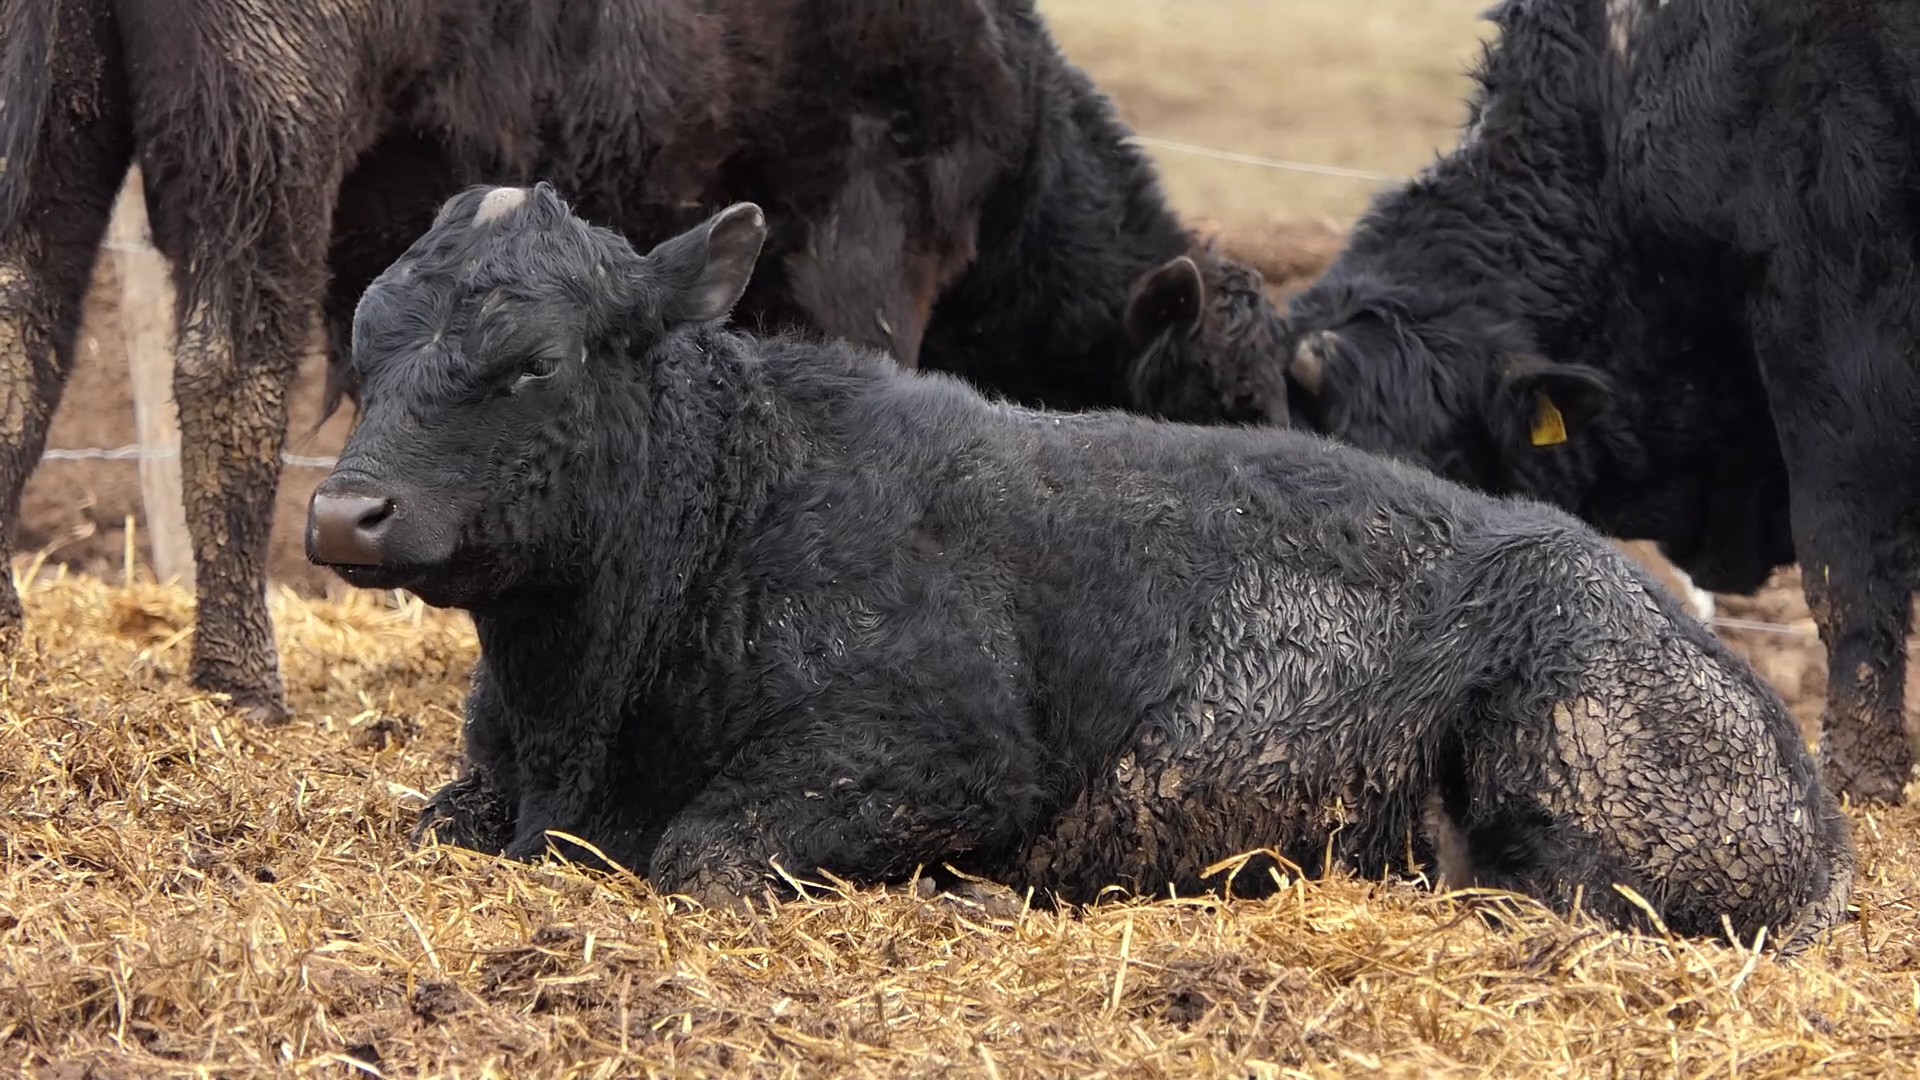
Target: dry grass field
column 181, row 896
column 1374, row 85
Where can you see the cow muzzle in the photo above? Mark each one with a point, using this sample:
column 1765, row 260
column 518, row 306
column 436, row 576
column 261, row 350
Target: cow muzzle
column 348, row 524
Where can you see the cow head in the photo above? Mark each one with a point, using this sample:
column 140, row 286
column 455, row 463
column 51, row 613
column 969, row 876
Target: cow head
column 1209, row 343
column 497, row 361
column 1434, row 377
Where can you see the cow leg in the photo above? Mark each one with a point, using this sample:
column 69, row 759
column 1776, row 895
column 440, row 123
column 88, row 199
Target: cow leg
column 1860, row 594
column 1853, row 498
column 870, row 809
column 244, row 321
column 243, row 168
column 232, row 393
column 44, row 268
column 46, row 258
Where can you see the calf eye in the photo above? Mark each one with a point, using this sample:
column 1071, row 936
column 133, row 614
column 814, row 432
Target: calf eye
column 535, row 369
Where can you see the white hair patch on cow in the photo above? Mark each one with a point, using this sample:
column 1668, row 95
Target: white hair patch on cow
column 497, row 203
column 1623, row 17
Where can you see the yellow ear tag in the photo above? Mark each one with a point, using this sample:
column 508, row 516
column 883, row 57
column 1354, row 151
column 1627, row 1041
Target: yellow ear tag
column 1549, row 427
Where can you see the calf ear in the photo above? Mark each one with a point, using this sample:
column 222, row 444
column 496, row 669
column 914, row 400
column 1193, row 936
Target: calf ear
column 1548, row 402
column 1169, row 297
column 705, row 269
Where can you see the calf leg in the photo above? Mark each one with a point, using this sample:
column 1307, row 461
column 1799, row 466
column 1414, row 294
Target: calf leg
column 47, row 252
column 1620, row 803
column 480, row 809
column 473, row 812
column 870, row 807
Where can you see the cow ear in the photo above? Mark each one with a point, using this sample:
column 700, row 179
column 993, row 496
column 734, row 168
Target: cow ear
column 705, row 269
column 1549, row 401
column 1169, row 297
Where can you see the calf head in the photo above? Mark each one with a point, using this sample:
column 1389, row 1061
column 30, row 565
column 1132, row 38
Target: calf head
column 1209, row 343
column 499, row 358
column 1436, row 378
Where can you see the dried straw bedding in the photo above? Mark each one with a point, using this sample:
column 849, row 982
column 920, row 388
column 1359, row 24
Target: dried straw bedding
column 182, row 896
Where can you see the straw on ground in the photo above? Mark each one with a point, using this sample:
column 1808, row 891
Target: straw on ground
column 182, row 895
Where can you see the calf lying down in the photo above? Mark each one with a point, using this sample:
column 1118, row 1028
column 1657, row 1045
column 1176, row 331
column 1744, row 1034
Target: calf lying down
column 744, row 602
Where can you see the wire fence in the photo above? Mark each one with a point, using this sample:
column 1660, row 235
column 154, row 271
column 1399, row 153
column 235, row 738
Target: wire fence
column 135, row 452
column 300, row 461
column 1258, row 161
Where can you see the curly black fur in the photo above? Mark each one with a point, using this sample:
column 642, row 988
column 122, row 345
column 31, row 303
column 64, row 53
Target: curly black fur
column 746, row 600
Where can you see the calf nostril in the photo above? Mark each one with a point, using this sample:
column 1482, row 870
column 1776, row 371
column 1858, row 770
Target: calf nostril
column 375, row 516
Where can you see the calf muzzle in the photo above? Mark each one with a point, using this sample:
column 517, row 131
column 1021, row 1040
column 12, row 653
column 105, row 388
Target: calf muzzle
column 348, row 528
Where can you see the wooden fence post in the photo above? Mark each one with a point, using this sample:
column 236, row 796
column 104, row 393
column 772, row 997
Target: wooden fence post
column 146, row 324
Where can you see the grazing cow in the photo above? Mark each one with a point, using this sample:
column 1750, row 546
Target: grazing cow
column 1668, row 281
column 745, row 601
column 940, row 183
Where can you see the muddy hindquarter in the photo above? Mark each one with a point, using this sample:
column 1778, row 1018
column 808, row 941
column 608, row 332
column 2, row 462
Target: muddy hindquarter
column 1669, row 768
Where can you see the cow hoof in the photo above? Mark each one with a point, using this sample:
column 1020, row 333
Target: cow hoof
column 1866, row 786
column 264, row 713
column 257, row 707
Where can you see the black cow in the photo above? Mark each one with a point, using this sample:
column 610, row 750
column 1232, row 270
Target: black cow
column 1668, row 279
column 745, row 601
column 940, row 182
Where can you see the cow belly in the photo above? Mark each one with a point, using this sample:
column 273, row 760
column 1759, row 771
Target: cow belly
column 1257, row 753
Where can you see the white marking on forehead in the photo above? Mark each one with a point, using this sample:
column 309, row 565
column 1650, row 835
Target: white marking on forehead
column 496, row 204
